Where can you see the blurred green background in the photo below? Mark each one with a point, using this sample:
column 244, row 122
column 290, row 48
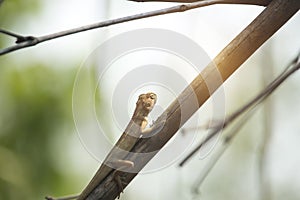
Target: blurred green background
column 40, row 153
column 35, row 106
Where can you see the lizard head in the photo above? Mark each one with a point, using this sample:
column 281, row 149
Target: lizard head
column 145, row 103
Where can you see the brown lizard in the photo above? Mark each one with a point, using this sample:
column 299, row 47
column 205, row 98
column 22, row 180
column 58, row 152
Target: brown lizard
column 133, row 131
column 114, row 161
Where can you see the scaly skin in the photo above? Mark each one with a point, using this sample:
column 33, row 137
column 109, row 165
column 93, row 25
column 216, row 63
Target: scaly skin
column 126, row 142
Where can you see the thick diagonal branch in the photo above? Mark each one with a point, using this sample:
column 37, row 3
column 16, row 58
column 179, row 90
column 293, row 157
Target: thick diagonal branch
column 277, row 13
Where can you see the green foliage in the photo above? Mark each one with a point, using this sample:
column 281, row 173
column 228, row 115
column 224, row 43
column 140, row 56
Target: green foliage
column 11, row 11
column 35, row 105
column 35, row 116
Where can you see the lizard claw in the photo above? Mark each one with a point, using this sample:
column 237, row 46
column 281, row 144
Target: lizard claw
column 120, row 180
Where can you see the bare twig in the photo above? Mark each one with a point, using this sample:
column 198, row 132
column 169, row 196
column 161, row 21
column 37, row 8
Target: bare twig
column 28, row 41
column 253, row 2
column 264, row 184
column 219, row 151
column 20, row 38
column 249, row 106
column 226, row 141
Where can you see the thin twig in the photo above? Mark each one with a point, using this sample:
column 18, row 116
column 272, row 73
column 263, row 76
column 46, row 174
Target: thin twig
column 264, row 185
column 5, row 32
column 219, row 152
column 28, row 41
column 226, row 141
column 254, row 2
column 254, row 102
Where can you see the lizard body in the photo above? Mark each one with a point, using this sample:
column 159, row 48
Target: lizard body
column 126, row 142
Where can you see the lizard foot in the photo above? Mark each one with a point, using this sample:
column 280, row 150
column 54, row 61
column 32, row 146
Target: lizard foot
column 120, row 182
column 119, row 179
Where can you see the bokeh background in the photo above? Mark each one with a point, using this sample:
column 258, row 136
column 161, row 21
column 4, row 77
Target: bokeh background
column 40, row 152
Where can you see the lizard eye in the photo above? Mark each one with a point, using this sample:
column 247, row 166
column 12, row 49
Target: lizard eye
column 152, row 96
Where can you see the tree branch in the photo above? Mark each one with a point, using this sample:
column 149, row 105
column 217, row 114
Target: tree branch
column 264, row 184
column 250, row 105
column 262, row 96
column 277, row 13
column 28, row 41
column 291, row 69
column 250, row 2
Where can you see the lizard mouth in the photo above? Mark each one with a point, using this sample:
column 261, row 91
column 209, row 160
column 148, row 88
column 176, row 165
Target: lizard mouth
column 149, row 105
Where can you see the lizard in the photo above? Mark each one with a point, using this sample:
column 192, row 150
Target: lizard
column 134, row 130
column 113, row 163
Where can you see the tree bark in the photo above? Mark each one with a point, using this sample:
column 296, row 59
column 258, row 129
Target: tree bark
column 274, row 16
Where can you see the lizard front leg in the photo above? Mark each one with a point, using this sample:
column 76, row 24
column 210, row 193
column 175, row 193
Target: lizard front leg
column 155, row 128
